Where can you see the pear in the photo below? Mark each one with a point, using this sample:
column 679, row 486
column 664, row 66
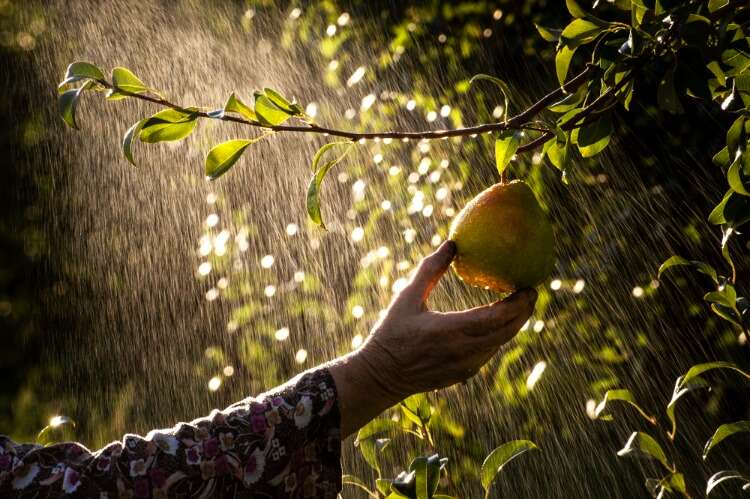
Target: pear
column 504, row 240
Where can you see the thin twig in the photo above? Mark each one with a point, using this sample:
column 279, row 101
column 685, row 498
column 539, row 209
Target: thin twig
column 518, row 122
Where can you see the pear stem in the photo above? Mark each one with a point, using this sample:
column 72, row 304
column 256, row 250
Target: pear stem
column 504, row 177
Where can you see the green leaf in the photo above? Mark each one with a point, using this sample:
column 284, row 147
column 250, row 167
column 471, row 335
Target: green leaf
column 357, row 482
column 721, row 158
column 622, row 396
column 313, row 189
column 699, row 369
column 714, row 5
column 674, row 482
column 383, row 485
column 417, row 408
column 368, row 449
column 504, row 88
column 723, row 476
column 675, row 261
column 419, row 467
column 498, row 458
column 548, row 34
column 127, row 140
column 280, row 101
column 558, row 149
column 84, row 70
column 124, row 79
column 575, row 9
column 735, row 177
column 324, row 149
column 581, row 31
column 60, row 429
column 643, row 445
column 562, row 62
column 223, row 156
column 594, row 137
column 268, row 113
column 376, row 427
column 691, row 381
column 725, row 431
column 736, row 138
column 235, row 105
column 570, row 101
column 505, row 148
column 168, row 125
column 725, row 296
column 67, row 103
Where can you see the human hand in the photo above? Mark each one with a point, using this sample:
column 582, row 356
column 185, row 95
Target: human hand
column 414, row 349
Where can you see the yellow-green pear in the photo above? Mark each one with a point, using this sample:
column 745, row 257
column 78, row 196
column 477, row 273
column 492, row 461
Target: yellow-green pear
column 504, row 240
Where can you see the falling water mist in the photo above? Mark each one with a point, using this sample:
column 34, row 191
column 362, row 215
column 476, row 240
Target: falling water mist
column 184, row 295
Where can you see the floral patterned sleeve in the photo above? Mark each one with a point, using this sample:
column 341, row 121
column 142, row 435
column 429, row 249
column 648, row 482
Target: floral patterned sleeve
column 284, row 443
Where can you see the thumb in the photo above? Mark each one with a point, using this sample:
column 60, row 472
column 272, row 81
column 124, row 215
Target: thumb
column 428, row 273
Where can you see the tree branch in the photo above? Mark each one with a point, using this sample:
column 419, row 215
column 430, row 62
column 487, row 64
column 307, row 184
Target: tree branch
column 517, row 122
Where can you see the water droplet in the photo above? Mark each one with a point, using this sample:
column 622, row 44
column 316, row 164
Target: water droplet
column 357, row 311
column 281, row 334
column 357, row 341
column 356, row 76
column 214, row 383
column 301, row 356
column 555, row 285
column 267, row 261
column 204, row 268
column 357, row 234
column 291, row 229
column 536, row 374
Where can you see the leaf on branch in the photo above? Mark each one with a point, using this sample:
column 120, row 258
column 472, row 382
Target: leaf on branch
column 691, row 381
column 80, row 70
column 506, row 146
column 124, row 79
column 622, row 396
column 733, row 210
column 548, row 34
column 68, row 102
column 235, row 105
column 498, row 458
column 570, row 101
column 594, row 137
column 676, row 261
column 357, row 482
column 643, row 445
column 127, row 140
column 273, row 109
column 417, row 409
column 504, row 88
column 581, row 31
column 223, row 156
column 168, row 125
column 723, row 432
column 562, row 62
column 723, row 476
column 282, row 102
column 313, row 189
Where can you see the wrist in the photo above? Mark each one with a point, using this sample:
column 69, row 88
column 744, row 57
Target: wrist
column 364, row 388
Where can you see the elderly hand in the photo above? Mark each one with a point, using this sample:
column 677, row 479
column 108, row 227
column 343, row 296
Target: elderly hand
column 413, row 349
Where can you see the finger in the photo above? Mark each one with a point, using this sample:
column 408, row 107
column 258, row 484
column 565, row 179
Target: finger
column 491, row 342
column 427, row 274
column 484, row 320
